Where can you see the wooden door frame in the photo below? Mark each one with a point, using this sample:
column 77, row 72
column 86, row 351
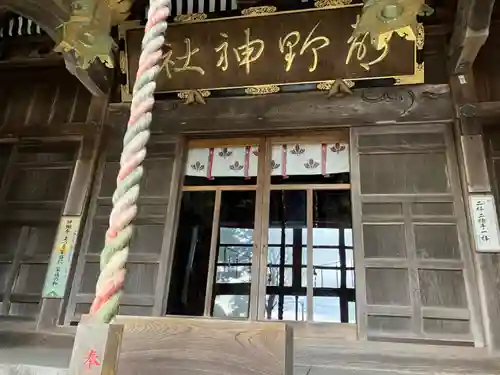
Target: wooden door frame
column 467, row 247
column 85, row 233
column 259, row 292
column 174, row 215
column 262, row 189
column 214, row 239
column 170, row 231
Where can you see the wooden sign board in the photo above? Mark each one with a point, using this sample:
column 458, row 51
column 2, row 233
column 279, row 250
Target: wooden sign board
column 485, row 222
column 308, row 46
column 61, row 257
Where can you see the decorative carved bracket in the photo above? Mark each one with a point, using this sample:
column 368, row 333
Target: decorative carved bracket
column 192, row 17
column 194, row 96
column 86, row 33
column 255, row 11
column 331, row 3
column 338, row 88
column 381, row 18
column 262, row 90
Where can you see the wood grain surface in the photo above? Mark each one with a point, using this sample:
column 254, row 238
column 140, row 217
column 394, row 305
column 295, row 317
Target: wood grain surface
column 301, row 111
column 182, row 346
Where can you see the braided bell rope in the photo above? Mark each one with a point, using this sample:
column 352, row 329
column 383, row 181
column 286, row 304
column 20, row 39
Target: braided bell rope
column 109, row 287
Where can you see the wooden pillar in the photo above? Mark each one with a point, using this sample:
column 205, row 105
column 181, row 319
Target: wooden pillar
column 475, row 180
column 52, row 309
column 96, row 349
column 472, row 26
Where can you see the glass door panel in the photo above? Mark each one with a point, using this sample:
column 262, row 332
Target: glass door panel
column 192, row 251
column 231, row 288
column 310, row 269
column 285, row 289
column 277, row 235
column 333, row 267
column 331, row 264
column 213, row 262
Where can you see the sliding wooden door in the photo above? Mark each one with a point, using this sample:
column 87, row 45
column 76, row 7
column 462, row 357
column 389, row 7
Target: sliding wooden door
column 413, row 259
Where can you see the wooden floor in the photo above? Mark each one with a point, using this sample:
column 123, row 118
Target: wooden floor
column 318, row 351
column 350, row 358
column 321, row 350
column 26, row 353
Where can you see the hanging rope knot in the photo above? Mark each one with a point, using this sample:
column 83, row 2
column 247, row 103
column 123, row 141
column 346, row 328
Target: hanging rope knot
column 115, row 253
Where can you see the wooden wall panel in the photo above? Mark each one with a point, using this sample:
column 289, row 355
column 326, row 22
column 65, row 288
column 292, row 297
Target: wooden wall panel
column 41, row 97
column 32, row 196
column 414, row 273
column 147, row 248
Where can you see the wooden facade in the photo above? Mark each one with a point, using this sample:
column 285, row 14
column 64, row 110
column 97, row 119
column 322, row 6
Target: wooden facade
column 426, row 300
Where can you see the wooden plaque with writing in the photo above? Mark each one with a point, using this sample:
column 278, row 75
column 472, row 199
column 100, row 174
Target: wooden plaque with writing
column 280, row 48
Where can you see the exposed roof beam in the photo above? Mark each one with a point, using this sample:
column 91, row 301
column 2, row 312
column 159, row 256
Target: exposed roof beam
column 472, row 24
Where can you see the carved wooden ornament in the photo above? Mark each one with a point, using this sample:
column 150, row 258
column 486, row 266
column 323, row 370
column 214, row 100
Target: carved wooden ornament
column 87, row 33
